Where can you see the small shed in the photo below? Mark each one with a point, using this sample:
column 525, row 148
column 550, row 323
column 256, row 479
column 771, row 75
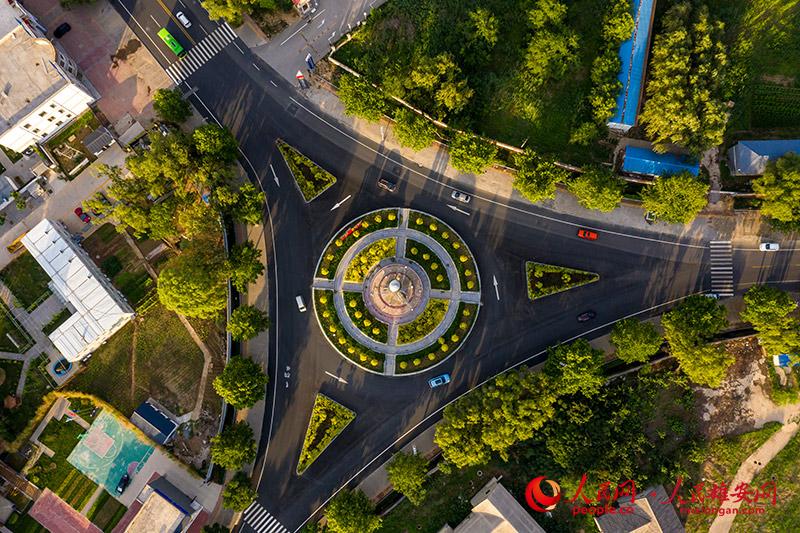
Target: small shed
column 750, row 158
column 98, row 140
column 639, row 160
column 154, row 422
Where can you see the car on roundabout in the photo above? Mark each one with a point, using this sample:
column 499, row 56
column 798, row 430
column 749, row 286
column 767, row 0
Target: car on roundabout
column 769, row 247
column 438, row 381
column 586, row 316
column 587, row 234
column 459, row 196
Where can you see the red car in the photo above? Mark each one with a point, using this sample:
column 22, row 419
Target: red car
column 587, row 234
column 81, row 215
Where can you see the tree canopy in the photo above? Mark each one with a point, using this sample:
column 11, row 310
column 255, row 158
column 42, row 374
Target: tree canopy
column 238, row 493
column 232, row 10
column 170, row 106
column 687, row 66
column 470, row 154
column 772, row 313
column 779, row 189
column 361, row 99
column 234, row 447
column 193, row 283
column 241, row 383
column 413, row 130
column 352, row 512
column 688, row 328
column 537, row 176
column 244, row 265
column 407, row 473
column 635, row 341
column 246, row 322
column 675, row 198
column 575, row 367
column 597, row 188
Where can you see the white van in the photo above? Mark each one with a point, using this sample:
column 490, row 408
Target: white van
column 300, row 303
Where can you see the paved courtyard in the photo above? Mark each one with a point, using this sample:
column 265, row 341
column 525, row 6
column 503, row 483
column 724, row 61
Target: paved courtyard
column 116, row 63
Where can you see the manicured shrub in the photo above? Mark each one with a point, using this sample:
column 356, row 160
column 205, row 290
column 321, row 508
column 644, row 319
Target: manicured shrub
column 417, row 362
column 432, row 356
column 403, row 365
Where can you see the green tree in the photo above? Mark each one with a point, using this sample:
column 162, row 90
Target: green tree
column 193, row 282
column 170, row 106
column 241, row 383
column 361, row 99
column 684, row 87
column 197, row 220
column 352, row 512
column 537, row 176
column 215, row 143
column 688, row 328
column 771, row 312
column 234, row 447
column 779, row 189
column 68, row 4
column 485, row 26
column 470, row 154
column 676, row 198
column 19, row 201
column 238, row 493
column 575, row 367
column 597, row 188
column 161, row 222
column 244, row 265
column 246, row 322
column 230, row 10
column 635, row 341
column 407, row 474
column 245, row 205
column 215, row 528
column 413, row 130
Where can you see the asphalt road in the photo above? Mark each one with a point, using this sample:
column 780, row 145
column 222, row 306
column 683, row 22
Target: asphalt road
column 640, row 272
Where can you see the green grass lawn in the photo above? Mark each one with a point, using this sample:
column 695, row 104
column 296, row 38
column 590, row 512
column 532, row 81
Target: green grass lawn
column 359, row 314
column 453, row 245
column 56, row 473
column 332, row 255
column 399, row 34
column 328, row 419
column 421, row 254
column 332, row 327
column 106, row 512
column 544, row 280
column 370, row 256
column 723, row 457
column 455, row 335
column 26, row 279
column 12, row 421
column 11, row 329
column 11, row 371
column 785, row 515
column 425, row 323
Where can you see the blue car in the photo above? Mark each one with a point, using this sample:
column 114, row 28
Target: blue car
column 438, row 381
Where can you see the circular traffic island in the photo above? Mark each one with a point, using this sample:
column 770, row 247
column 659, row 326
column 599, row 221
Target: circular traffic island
column 396, row 291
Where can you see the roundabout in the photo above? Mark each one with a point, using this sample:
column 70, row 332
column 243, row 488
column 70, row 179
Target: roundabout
column 396, row 292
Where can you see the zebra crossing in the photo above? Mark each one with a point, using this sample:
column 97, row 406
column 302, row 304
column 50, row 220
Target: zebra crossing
column 201, row 53
column 260, row 521
column 721, row 268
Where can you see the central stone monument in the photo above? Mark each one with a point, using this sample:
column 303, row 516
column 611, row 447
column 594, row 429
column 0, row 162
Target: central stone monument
column 396, row 291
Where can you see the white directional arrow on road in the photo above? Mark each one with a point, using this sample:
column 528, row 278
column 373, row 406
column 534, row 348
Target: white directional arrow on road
column 334, row 376
column 340, row 202
column 496, row 290
column 454, row 208
column 278, row 183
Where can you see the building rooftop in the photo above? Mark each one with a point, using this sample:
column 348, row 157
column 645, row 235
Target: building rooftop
column 494, row 510
column 652, row 513
column 633, row 56
column 750, row 158
column 156, row 514
column 29, row 77
column 645, row 161
column 99, row 308
column 154, row 422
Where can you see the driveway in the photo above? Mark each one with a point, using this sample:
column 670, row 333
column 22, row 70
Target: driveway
column 109, row 54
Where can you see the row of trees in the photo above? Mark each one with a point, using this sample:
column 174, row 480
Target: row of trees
column 684, row 89
column 779, row 189
column 233, row 10
column 617, row 27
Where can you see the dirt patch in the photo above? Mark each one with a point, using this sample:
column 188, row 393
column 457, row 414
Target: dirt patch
column 785, row 81
column 742, row 402
column 272, row 23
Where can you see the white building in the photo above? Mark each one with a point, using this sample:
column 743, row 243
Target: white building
column 40, row 92
column 98, row 308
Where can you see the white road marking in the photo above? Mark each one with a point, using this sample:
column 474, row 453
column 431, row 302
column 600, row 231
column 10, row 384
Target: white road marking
column 258, row 69
column 238, row 48
column 154, row 20
column 272, row 82
column 334, row 376
column 321, row 24
column 496, row 290
column 458, row 209
column 340, row 202
column 146, row 34
column 274, row 175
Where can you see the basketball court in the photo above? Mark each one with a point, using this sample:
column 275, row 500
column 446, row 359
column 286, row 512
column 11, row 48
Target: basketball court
column 108, row 451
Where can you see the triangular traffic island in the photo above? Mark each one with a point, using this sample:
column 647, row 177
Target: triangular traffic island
column 311, row 179
column 328, row 419
column 544, row 279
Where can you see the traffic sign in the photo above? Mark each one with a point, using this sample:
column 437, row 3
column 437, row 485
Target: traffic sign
column 310, row 62
column 299, row 75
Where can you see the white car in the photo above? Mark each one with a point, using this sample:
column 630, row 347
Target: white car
column 769, row 247
column 460, row 196
column 184, row 19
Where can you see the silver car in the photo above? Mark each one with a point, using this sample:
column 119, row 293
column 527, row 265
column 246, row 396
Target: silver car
column 769, row 247
column 184, row 19
column 461, row 197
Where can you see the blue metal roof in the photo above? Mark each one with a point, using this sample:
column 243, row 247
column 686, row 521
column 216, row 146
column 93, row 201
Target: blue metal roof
column 161, row 422
column 645, row 161
column 633, row 55
column 773, row 149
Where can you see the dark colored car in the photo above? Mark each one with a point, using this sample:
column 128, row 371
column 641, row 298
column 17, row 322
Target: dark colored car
column 61, row 30
column 589, row 235
column 586, row 316
column 81, row 215
column 386, row 183
column 124, row 481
